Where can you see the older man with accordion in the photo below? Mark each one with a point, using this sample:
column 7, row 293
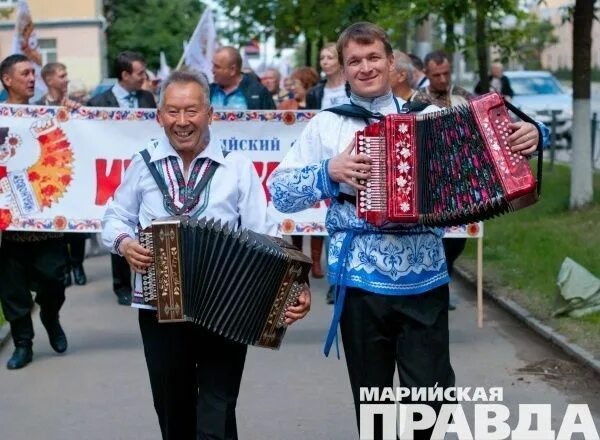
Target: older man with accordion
column 210, row 265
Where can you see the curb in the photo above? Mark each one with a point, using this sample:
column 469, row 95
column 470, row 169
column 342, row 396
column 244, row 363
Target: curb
column 578, row 353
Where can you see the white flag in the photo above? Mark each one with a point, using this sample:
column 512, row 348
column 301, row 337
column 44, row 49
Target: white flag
column 201, row 47
column 25, row 42
column 164, row 70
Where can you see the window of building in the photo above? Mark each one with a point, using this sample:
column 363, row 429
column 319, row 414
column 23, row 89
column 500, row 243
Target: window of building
column 48, row 50
column 7, row 3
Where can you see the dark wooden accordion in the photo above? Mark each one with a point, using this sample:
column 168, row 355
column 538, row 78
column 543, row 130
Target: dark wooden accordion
column 444, row 168
column 236, row 283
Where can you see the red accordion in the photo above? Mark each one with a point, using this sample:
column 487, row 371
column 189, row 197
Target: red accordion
column 444, row 168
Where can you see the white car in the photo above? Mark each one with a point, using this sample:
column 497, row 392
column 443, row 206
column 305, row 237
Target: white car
column 538, row 94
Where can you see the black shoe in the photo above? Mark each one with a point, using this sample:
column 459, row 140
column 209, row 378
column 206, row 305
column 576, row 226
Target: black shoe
column 79, row 275
column 56, row 335
column 67, row 281
column 330, row 298
column 124, row 299
column 20, row 357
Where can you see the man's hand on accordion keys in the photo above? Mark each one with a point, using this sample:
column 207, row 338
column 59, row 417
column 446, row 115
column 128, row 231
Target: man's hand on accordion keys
column 138, row 257
column 524, row 138
column 300, row 309
column 349, row 168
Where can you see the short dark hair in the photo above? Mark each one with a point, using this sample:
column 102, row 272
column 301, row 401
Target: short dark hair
column 437, row 56
column 363, row 33
column 416, row 61
column 124, row 62
column 50, row 69
column 8, row 63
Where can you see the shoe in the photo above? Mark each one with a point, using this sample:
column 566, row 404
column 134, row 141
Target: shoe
column 330, row 298
column 20, row 357
column 124, row 299
column 56, row 335
column 67, row 280
column 79, row 275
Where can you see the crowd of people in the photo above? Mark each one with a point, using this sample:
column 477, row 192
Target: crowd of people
column 388, row 320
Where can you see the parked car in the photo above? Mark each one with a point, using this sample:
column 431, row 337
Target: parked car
column 538, row 93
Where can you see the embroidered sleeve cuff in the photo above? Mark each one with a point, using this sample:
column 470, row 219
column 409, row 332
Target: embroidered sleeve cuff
column 329, row 188
column 118, row 242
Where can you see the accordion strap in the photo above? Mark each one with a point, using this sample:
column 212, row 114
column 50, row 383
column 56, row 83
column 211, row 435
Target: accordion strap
column 168, row 202
column 540, row 147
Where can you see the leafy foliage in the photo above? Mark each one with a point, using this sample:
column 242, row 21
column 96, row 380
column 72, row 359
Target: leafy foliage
column 150, row 26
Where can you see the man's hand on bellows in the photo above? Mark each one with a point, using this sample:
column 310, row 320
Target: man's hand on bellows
column 300, row 309
column 138, row 257
column 348, row 168
column 524, row 138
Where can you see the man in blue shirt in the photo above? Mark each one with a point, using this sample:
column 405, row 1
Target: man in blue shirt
column 233, row 89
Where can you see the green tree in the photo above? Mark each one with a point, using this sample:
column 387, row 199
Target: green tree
column 150, row 26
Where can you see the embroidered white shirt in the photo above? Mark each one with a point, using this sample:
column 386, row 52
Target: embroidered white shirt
column 233, row 195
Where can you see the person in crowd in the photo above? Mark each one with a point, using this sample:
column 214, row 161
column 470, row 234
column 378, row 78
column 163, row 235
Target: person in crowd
column 332, row 91
column 151, row 83
column 56, row 78
column 29, row 260
column 401, row 79
column 195, row 374
column 393, row 306
column 271, row 79
column 130, row 69
column 304, row 78
column 442, row 93
column 233, row 89
column 419, row 78
column 498, row 82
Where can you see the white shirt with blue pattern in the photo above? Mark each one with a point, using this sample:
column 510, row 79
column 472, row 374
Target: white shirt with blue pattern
column 392, row 260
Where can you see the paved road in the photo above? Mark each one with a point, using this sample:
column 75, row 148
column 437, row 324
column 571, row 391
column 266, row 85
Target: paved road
column 99, row 389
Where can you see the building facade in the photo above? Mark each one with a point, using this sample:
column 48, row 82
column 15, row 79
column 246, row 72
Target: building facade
column 68, row 31
column 560, row 55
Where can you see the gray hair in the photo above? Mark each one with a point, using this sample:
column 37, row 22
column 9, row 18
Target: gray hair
column 185, row 77
column 403, row 63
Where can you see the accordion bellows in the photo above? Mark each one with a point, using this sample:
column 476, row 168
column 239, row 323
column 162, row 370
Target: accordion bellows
column 236, row 283
column 444, row 168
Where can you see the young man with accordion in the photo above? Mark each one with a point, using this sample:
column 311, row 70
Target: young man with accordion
column 391, row 277
column 195, row 372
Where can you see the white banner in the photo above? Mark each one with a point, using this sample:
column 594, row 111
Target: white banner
column 59, row 169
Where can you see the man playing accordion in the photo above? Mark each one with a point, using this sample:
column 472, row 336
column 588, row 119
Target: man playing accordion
column 392, row 297
column 195, row 374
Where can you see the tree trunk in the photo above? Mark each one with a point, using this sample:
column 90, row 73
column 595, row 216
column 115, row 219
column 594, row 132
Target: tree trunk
column 307, row 51
column 481, row 42
column 450, row 37
column 582, row 190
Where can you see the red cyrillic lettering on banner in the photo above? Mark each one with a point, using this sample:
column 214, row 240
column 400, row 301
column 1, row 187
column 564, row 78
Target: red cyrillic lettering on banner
column 264, row 173
column 106, row 184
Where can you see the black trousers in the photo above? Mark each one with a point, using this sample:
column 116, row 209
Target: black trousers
column 121, row 275
column 453, row 247
column 381, row 333
column 74, row 248
column 27, row 266
column 195, row 377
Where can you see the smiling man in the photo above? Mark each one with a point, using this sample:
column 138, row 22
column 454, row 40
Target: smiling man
column 394, row 279
column 194, row 374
